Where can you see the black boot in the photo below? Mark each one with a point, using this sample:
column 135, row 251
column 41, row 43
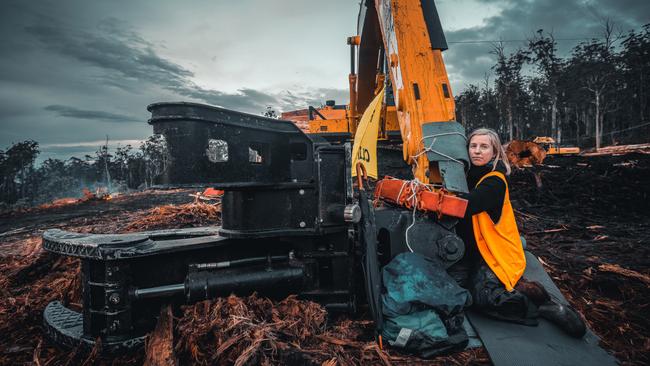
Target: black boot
column 565, row 317
column 534, row 291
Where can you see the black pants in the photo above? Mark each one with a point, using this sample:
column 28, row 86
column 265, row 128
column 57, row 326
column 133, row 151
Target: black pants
column 490, row 296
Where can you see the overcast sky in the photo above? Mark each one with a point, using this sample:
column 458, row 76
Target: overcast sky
column 74, row 71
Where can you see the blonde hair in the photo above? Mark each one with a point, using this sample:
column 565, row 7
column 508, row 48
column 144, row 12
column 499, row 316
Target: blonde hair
column 497, row 148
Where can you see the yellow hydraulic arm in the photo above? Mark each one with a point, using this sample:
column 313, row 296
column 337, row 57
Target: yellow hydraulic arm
column 406, row 37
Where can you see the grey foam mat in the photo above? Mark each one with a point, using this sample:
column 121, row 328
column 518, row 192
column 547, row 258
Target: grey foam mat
column 474, row 340
column 511, row 344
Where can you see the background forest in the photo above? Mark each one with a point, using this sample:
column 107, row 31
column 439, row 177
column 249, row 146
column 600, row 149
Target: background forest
column 599, row 95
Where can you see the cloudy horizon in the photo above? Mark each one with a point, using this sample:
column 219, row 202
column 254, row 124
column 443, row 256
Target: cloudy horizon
column 74, row 72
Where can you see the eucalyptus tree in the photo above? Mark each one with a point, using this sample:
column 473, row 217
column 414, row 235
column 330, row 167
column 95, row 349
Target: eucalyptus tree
column 510, row 87
column 595, row 65
column 549, row 65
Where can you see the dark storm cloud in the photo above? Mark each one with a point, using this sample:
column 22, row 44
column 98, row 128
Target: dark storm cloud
column 569, row 21
column 71, row 112
column 73, row 72
column 124, row 54
column 301, row 99
column 627, row 13
column 246, row 100
column 125, row 57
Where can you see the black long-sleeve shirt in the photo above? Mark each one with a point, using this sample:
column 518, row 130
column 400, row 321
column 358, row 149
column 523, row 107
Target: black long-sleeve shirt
column 488, row 197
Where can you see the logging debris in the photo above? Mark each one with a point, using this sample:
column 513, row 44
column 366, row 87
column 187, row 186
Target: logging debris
column 589, row 225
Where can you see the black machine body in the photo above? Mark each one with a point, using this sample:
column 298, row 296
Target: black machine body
column 290, row 225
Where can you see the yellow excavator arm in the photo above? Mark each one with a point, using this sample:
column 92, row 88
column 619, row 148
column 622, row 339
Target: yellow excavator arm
column 405, row 38
column 398, row 47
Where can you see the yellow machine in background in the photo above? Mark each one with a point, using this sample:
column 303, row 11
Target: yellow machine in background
column 553, row 148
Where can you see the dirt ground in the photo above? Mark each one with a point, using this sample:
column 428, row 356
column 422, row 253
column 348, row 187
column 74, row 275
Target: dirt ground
column 589, row 224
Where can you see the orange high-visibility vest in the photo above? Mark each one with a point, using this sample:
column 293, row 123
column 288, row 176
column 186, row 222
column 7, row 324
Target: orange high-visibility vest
column 499, row 243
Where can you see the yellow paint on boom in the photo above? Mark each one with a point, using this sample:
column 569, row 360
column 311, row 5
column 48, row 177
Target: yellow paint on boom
column 364, row 149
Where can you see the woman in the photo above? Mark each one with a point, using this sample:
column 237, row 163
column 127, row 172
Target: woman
column 494, row 261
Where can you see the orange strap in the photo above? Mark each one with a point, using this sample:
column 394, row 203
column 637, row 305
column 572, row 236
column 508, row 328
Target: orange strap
column 395, row 191
column 400, row 192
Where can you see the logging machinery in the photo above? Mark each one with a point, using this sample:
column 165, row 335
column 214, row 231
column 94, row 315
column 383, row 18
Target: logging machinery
column 553, row 148
column 291, row 222
column 399, row 46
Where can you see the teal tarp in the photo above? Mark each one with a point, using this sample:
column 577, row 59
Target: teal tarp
column 422, row 307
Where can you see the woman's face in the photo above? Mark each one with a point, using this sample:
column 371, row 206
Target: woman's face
column 480, row 150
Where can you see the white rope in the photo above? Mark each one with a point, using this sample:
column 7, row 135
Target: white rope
column 445, row 134
column 401, row 189
column 433, row 141
column 415, row 183
column 408, row 245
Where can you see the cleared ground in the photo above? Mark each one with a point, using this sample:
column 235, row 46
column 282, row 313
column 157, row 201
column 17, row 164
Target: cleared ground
column 589, row 224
